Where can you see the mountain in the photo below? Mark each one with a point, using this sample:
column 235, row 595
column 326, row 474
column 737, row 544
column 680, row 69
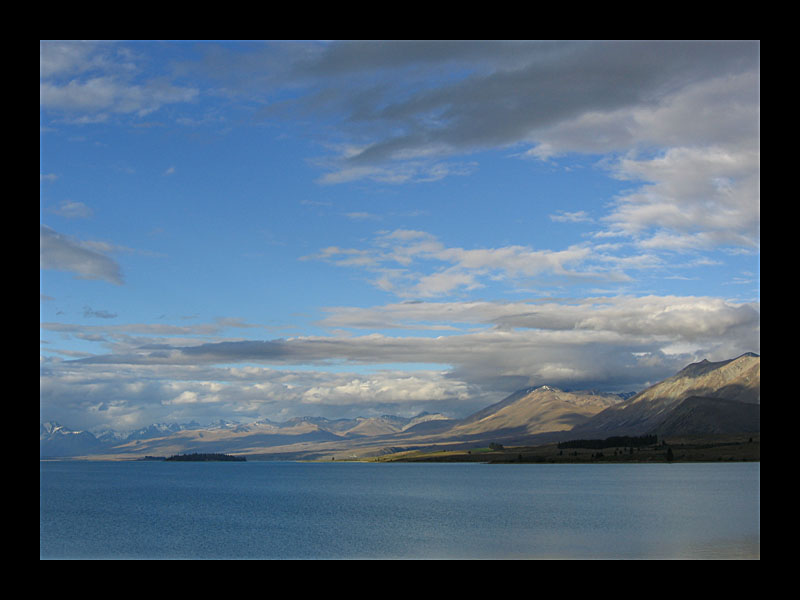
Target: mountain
column 703, row 416
column 703, row 398
column 151, row 431
column 535, row 410
column 372, row 426
column 676, row 402
column 58, row 441
column 389, row 424
column 227, row 438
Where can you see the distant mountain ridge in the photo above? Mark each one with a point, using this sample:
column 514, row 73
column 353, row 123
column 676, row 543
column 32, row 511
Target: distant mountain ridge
column 56, row 440
column 704, row 397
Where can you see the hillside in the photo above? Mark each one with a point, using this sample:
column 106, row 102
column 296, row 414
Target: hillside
column 737, row 380
column 58, row 441
column 535, row 410
column 706, row 416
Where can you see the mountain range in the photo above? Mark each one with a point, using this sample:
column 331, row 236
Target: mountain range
column 703, row 398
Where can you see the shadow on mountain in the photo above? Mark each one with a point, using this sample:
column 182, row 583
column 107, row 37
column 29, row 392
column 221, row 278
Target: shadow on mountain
column 700, row 416
column 431, row 427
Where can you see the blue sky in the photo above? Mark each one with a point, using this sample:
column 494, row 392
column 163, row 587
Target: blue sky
column 247, row 230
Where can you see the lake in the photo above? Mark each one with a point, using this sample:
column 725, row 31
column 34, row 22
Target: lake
column 292, row 510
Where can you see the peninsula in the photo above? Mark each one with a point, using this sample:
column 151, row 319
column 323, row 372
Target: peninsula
column 205, row 458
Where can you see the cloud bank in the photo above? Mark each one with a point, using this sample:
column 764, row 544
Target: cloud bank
column 480, row 352
column 677, row 121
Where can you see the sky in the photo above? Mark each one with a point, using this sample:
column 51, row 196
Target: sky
column 247, row 230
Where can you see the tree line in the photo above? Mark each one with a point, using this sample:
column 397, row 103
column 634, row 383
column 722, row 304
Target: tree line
column 201, row 457
column 612, row 442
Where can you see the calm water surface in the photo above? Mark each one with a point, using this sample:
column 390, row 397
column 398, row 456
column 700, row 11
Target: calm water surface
column 285, row 510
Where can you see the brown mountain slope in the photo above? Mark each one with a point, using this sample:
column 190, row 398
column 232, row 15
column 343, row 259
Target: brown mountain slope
column 534, row 411
column 738, row 380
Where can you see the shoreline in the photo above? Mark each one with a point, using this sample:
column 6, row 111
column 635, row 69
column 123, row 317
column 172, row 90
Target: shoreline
column 701, row 450
column 708, row 449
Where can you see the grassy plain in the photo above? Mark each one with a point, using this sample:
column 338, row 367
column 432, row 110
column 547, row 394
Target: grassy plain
column 724, row 448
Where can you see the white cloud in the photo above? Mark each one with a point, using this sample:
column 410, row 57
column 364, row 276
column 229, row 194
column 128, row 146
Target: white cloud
column 101, row 95
column 722, row 110
column 388, row 388
column 68, row 58
column 684, row 115
column 400, row 257
column 579, row 216
column 61, row 253
column 90, row 81
column 73, row 210
column 687, row 318
column 695, row 155
column 694, row 197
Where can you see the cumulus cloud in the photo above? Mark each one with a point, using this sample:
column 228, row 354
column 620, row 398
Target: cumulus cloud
column 121, row 397
column 694, row 197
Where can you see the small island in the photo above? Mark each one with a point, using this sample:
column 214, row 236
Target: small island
column 205, row 458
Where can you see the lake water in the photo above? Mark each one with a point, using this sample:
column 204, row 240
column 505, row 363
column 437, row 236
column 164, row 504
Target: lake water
column 287, row 510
